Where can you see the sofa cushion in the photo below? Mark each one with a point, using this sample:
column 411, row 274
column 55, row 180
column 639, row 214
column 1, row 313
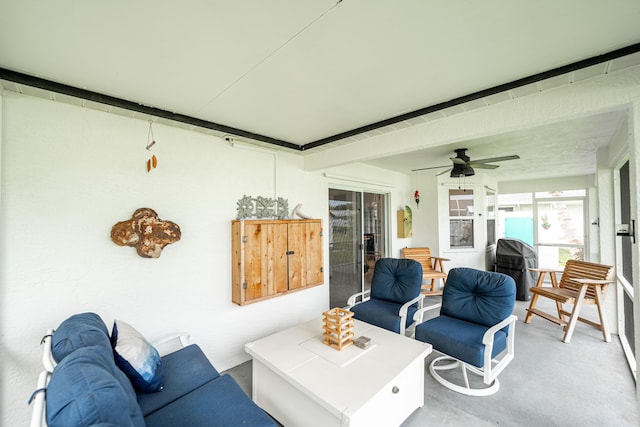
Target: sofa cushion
column 220, row 402
column 396, row 280
column 482, row 297
column 383, row 314
column 184, row 371
column 79, row 330
column 137, row 358
column 459, row 338
column 87, row 388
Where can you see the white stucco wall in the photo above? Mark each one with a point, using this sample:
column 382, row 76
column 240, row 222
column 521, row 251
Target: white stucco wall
column 69, row 174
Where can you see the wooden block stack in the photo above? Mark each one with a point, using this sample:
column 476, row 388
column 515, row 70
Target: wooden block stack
column 338, row 328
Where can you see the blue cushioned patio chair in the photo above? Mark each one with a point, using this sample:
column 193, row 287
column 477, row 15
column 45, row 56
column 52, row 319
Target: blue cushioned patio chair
column 394, row 296
column 474, row 331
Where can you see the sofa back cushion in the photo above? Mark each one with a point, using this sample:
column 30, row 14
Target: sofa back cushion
column 87, row 388
column 396, row 280
column 78, row 331
column 481, row 297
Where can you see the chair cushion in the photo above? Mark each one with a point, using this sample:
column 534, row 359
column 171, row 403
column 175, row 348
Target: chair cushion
column 459, row 338
column 78, row 331
column 220, row 402
column 184, row 371
column 478, row 296
column 396, row 280
column 87, row 388
column 383, row 314
column 137, row 358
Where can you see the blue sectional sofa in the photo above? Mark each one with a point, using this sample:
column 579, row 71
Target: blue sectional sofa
column 88, row 385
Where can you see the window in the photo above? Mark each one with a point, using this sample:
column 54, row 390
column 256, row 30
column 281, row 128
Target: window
column 515, row 216
column 551, row 221
column 461, row 211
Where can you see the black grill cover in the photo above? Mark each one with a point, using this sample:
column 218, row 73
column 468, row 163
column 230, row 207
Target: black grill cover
column 513, row 258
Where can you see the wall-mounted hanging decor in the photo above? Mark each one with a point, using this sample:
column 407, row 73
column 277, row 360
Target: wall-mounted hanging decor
column 145, row 232
column 262, row 208
column 405, row 222
column 152, row 162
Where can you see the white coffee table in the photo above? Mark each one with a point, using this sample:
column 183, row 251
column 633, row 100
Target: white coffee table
column 302, row 382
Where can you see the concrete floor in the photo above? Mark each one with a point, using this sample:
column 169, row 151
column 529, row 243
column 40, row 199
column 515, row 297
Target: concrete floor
column 549, row 383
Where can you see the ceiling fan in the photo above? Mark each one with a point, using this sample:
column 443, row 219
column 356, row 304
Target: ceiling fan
column 462, row 164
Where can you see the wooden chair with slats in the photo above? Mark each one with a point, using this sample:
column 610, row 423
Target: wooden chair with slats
column 432, row 269
column 581, row 283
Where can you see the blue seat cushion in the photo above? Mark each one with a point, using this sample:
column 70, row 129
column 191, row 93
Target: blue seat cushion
column 220, row 402
column 382, row 313
column 481, row 297
column 459, row 338
column 77, row 331
column 87, row 388
column 396, row 280
column 184, row 371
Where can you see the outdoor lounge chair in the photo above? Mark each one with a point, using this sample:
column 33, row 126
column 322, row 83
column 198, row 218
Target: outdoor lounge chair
column 582, row 283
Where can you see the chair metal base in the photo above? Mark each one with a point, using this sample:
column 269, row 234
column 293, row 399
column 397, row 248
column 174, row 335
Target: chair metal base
column 466, row 389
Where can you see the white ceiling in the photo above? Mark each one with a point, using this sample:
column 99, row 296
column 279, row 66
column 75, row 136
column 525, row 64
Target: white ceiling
column 300, row 71
column 560, row 149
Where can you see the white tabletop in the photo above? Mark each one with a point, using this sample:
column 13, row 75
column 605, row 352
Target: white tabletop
column 338, row 379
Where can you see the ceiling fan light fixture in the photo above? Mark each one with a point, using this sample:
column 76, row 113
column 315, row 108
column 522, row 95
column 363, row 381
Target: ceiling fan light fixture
column 461, row 170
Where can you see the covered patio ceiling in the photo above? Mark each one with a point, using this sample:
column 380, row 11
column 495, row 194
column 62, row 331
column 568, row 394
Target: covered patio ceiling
column 312, row 75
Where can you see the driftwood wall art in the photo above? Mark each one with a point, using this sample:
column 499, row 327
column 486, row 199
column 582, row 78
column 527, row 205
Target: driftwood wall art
column 145, row 232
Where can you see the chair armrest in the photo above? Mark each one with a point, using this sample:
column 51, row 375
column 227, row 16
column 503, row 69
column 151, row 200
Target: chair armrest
column 594, row 282
column 172, row 343
column 38, row 418
column 405, row 308
column 364, row 295
column 438, row 263
column 545, row 270
column 487, row 338
column 491, row 371
column 406, row 305
column 418, row 316
column 47, row 357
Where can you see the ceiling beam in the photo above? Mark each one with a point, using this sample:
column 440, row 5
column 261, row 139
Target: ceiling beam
column 113, row 101
column 480, row 94
column 33, row 81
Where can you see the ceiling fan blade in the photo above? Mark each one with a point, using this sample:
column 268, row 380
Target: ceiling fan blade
column 484, row 166
column 443, row 172
column 432, row 167
column 457, row 160
column 494, row 159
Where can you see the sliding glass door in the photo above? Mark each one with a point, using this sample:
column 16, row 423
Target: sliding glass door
column 357, row 239
column 624, row 260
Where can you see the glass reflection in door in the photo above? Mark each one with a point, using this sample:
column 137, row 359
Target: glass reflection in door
column 374, row 237
column 356, row 241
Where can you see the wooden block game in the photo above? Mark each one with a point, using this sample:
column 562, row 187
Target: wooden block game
column 338, row 328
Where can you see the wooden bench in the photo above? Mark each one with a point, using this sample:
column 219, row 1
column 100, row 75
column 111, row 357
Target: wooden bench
column 432, row 269
column 581, row 283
